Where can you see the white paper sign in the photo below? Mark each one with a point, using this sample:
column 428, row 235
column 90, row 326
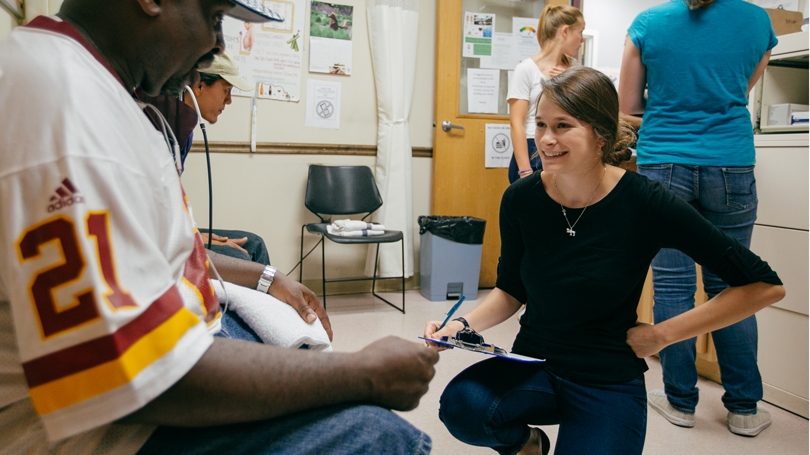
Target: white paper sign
column 524, row 30
column 503, row 54
column 482, row 90
column 498, row 145
column 323, row 104
column 478, row 29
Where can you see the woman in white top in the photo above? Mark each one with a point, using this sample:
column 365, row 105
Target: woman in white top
column 559, row 34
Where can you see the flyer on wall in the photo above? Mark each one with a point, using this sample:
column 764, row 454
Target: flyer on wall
column 478, row 31
column 524, row 31
column 270, row 53
column 498, row 145
column 330, row 38
column 323, row 104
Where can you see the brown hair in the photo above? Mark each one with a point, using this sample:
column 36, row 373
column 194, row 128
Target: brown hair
column 589, row 96
column 695, row 4
column 554, row 17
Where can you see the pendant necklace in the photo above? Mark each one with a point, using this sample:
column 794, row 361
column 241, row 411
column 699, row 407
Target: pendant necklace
column 570, row 230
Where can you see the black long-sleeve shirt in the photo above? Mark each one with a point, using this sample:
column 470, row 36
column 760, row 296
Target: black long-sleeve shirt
column 581, row 292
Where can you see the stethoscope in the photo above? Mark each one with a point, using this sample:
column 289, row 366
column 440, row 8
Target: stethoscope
column 208, row 163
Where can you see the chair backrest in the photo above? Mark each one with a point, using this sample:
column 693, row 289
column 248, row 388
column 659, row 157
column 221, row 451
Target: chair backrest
column 341, row 190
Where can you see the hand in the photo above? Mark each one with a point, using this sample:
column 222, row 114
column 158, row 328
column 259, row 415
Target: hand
column 644, row 340
column 302, row 299
column 399, row 372
column 556, row 70
column 220, row 240
column 431, row 331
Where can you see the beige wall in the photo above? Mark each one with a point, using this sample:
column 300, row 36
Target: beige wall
column 264, row 193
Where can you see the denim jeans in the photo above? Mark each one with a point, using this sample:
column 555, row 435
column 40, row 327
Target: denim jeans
column 491, row 404
column 727, row 197
column 534, row 160
column 340, row 430
column 255, row 247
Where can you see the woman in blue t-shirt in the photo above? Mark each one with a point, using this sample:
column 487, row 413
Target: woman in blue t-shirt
column 698, row 60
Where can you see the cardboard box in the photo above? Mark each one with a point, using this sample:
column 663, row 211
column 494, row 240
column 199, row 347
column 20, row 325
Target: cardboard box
column 782, row 114
column 785, row 22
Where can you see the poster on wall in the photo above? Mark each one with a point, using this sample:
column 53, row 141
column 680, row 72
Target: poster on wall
column 524, row 31
column 270, row 53
column 478, row 30
column 502, row 53
column 323, row 104
column 498, row 145
column 330, row 38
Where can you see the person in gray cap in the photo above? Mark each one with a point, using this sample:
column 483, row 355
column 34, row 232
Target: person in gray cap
column 106, row 305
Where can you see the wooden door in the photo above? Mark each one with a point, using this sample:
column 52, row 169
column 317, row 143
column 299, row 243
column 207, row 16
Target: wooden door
column 462, row 186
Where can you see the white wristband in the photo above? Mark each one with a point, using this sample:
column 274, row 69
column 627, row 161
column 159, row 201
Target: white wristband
column 266, row 279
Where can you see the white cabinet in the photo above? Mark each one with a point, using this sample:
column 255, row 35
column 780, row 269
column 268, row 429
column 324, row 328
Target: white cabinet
column 781, row 231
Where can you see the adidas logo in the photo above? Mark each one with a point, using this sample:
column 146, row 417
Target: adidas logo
column 66, row 195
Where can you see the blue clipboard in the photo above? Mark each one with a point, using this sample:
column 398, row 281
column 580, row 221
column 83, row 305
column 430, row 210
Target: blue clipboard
column 507, row 355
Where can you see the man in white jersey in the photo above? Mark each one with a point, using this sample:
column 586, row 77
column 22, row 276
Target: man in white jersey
column 104, row 290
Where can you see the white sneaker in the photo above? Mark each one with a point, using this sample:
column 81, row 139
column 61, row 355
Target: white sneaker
column 658, row 401
column 749, row 424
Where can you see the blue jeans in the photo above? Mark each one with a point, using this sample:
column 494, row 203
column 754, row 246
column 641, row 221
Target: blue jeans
column 339, row 430
column 534, row 160
column 255, row 247
column 727, row 197
column 491, row 404
column 346, row 429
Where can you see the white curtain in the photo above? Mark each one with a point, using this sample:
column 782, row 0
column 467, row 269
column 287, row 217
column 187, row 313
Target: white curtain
column 393, row 30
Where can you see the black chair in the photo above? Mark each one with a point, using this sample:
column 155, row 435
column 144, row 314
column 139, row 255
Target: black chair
column 346, row 190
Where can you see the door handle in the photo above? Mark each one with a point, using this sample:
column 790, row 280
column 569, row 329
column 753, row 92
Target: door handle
column 447, row 126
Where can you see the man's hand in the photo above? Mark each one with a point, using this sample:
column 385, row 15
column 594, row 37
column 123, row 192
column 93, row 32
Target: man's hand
column 400, row 372
column 644, row 340
column 302, row 299
column 220, row 240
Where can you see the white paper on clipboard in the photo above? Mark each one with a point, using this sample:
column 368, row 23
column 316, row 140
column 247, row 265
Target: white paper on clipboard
column 508, row 356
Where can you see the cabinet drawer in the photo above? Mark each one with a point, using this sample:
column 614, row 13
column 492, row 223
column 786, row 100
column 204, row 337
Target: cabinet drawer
column 782, row 186
column 786, row 250
column 783, row 350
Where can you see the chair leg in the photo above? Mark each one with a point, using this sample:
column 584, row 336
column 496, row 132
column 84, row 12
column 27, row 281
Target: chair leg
column 374, row 280
column 402, row 246
column 301, row 258
column 323, row 270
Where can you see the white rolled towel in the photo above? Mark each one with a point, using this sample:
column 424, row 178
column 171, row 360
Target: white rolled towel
column 356, row 225
column 361, row 233
column 276, row 322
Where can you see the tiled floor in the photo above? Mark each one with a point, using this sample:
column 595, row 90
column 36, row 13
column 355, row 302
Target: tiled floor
column 360, row 319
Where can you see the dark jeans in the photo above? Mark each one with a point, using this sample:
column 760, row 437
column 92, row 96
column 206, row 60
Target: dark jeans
column 256, row 249
column 726, row 196
column 338, row 430
column 492, row 403
column 533, row 158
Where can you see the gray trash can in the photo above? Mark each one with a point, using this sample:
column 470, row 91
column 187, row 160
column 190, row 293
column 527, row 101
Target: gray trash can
column 450, row 256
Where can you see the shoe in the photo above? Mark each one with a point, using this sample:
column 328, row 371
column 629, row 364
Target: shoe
column 749, row 424
column 658, row 401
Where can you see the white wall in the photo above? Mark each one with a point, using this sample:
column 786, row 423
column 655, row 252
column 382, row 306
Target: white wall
column 612, row 18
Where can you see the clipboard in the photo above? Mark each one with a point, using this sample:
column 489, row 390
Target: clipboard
column 481, row 350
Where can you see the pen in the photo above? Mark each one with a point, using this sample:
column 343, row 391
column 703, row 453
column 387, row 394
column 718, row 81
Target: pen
column 452, row 310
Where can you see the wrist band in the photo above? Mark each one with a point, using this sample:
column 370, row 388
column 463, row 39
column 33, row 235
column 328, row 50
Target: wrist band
column 525, row 171
column 463, row 321
column 266, row 279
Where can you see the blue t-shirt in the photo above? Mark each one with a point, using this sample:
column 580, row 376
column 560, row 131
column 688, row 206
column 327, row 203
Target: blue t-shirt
column 698, row 66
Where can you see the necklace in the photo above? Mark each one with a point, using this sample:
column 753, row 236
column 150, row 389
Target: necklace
column 570, row 230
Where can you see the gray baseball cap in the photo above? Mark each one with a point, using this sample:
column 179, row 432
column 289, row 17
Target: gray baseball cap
column 253, row 11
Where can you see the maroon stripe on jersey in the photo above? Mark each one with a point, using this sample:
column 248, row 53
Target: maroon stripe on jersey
column 104, row 349
column 65, row 28
column 62, row 192
column 69, row 185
